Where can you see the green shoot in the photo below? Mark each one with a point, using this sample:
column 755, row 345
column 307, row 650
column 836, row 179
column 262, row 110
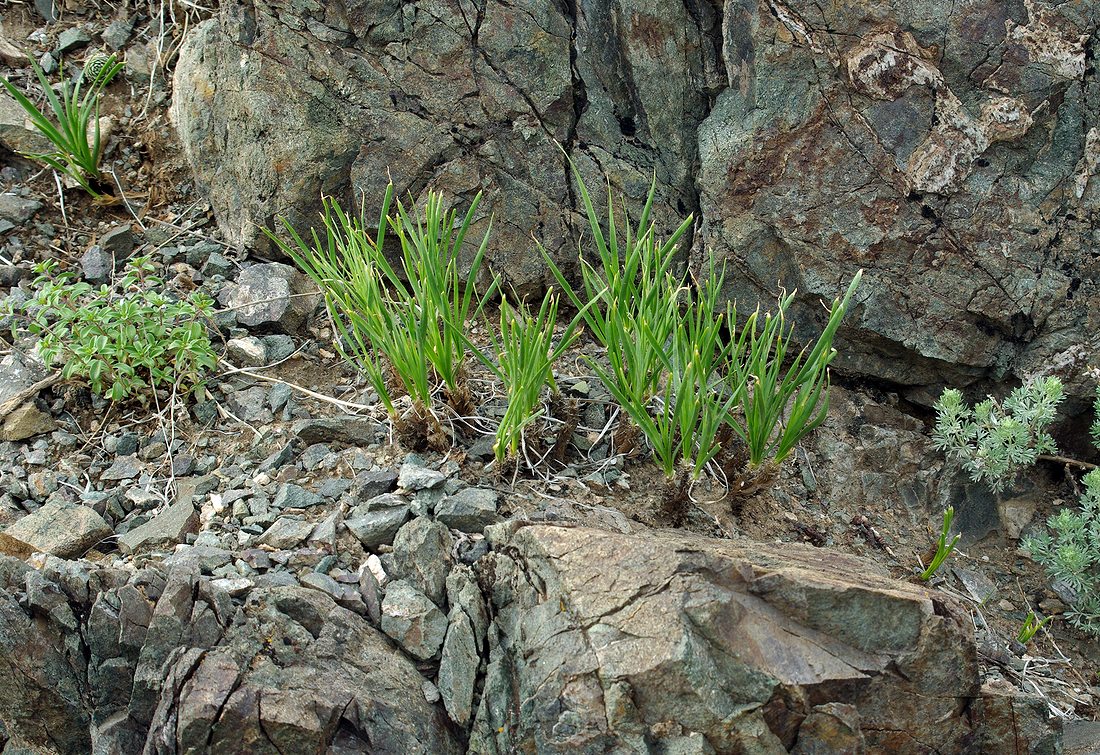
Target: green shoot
column 943, row 548
column 414, row 322
column 1030, row 627
column 637, row 308
column 74, row 128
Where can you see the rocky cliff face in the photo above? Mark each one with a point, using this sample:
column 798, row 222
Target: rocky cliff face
column 946, row 147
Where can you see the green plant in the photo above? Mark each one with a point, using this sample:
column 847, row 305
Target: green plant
column 525, row 358
column 781, row 404
column 414, row 321
column 994, row 441
column 1071, row 554
column 637, row 299
column 74, row 128
column 1031, row 627
column 682, row 422
column 943, row 548
column 122, row 339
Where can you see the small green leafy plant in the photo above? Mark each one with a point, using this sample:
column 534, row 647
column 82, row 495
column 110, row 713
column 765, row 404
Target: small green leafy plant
column 1031, row 627
column 1071, row 553
column 943, row 547
column 995, row 440
column 74, row 128
column 404, row 331
column 123, row 340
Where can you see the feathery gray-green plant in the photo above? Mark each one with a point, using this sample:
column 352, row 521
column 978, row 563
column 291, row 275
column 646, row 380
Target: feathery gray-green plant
column 995, row 440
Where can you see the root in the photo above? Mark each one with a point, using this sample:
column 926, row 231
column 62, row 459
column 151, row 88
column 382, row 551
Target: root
column 676, row 501
column 626, row 436
column 419, row 430
column 566, row 411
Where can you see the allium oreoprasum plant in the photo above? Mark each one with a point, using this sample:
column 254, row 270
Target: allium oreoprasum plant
column 995, row 440
column 681, row 423
column 637, row 295
column 406, row 327
column 525, row 356
column 781, row 403
column 74, row 128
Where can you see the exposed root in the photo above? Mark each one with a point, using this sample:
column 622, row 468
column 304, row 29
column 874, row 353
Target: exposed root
column 677, row 498
column 565, row 410
column 418, row 430
column 626, row 436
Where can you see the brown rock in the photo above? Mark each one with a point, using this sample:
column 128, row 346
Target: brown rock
column 24, row 422
column 61, row 529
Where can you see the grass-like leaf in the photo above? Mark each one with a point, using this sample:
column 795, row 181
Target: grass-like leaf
column 74, row 128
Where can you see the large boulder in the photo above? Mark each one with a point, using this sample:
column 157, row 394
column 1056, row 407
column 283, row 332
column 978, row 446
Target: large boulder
column 444, row 95
column 605, row 642
column 948, row 149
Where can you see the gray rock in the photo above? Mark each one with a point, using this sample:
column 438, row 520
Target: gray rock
column 205, row 558
column 16, row 131
column 17, row 210
column 278, row 347
column 458, row 667
column 348, row 429
column 267, row 295
column 415, row 476
column 72, row 38
column 378, row 527
column 580, row 611
column 286, row 532
column 118, row 242
column 123, row 468
column 413, row 620
column 169, row 526
column 250, row 405
column 469, row 510
column 422, row 556
column 291, row 496
column 24, row 422
column 281, row 457
column 246, row 352
column 61, row 529
column 117, row 33
column 279, row 394
column 217, row 264
column 235, row 587
column 374, row 483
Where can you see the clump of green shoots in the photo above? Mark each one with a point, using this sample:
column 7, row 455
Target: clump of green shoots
column 943, row 547
column 74, row 128
column 682, row 383
column 402, row 330
column 636, row 299
column 779, row 403
column 525, row 355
